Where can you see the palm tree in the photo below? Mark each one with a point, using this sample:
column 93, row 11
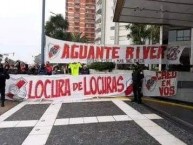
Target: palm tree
column 78, row 37
column 57, row 27
column 141, row 32
column 154, row 33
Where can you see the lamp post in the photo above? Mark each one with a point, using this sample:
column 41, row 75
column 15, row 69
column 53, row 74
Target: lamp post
column 43, row 32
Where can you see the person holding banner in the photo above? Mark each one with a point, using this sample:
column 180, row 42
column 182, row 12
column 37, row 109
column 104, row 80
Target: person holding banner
column 137, row 77
column 42, row 70
column 48, row 68
column 3, row 76
column 85, row 70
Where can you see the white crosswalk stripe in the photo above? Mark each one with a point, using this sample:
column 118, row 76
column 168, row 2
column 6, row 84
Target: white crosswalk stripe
column 149, row 126
column 43, row 126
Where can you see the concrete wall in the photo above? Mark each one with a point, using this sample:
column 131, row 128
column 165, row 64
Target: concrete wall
column 185, row 87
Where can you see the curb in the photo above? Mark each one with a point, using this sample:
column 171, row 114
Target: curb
column 176, row 120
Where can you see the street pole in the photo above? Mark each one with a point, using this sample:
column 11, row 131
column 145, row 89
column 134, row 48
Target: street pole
column 43, row 32
column 161, row 43
column 191, row 54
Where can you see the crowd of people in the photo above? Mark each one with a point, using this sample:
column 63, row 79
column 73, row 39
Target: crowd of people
column 75, row 68
column 47, row 69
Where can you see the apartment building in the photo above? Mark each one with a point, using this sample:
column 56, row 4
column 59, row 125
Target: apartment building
column 81, row 17
column 106, row 31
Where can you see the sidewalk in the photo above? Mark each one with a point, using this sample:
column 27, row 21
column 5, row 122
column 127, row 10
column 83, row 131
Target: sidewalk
column 180, row 112
column 8, row 106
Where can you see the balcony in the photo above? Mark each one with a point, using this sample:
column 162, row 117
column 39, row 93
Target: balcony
column 98, row 21
column 90, row 18
column 97, row 39
column 99, row 2
column 99, row 9
column 97, row 26
column 76, row 20
column 77, row 15
column 76, row 26
column 90, row 26
column 77, row 1
column 98, row 30
column 90, row 21
column 98, row 16
column 98, row 34
column 90, row 7
column 90, row 4
column 77, row 5
column 90, row 12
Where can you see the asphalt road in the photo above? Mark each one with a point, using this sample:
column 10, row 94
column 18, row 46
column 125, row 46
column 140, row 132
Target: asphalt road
column 101, row 122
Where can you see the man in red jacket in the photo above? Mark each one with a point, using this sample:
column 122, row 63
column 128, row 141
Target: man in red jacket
column 48, row 68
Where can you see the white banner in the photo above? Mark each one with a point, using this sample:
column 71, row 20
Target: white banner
column 162, row 83
column 66, row 86
column 86, row 86
column 57, row 51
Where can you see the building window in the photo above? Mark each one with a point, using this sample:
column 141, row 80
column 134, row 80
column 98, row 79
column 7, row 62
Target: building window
column 112, row 38
column 183, row 35
column 123, row 38
column 172, row 36
column 90, row 1
column 77, row 10
column 113, row 28
column 122, row 28
column 187, row 35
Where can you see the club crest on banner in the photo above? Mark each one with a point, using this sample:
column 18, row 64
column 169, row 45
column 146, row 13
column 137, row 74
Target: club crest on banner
column 150, row 82
column 129, row 87
column 53, row 50
column 17, row 89
column 173, row 52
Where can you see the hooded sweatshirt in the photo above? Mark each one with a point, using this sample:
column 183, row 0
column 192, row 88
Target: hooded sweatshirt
column 3, row 77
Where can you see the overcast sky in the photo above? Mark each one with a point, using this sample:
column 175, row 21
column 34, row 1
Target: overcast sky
column 20, row 26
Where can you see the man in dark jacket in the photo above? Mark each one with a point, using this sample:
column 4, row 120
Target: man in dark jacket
column 137, row 77
column 3, row 76
column 42, row 70
column 85, row 70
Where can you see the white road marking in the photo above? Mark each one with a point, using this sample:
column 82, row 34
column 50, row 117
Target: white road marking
column 151, row 128
column 43, row 128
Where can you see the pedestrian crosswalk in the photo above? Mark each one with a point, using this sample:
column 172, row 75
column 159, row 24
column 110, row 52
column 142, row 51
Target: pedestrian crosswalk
column 42, row 128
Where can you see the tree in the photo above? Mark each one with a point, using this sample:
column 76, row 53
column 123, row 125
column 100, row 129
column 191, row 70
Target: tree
column 78, row 37
column 154, row 33
column 141, row 32
column 37, row 59
column 57, row 28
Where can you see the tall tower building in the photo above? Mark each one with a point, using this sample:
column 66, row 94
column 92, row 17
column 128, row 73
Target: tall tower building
column 106, row 31
column 81, row 17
